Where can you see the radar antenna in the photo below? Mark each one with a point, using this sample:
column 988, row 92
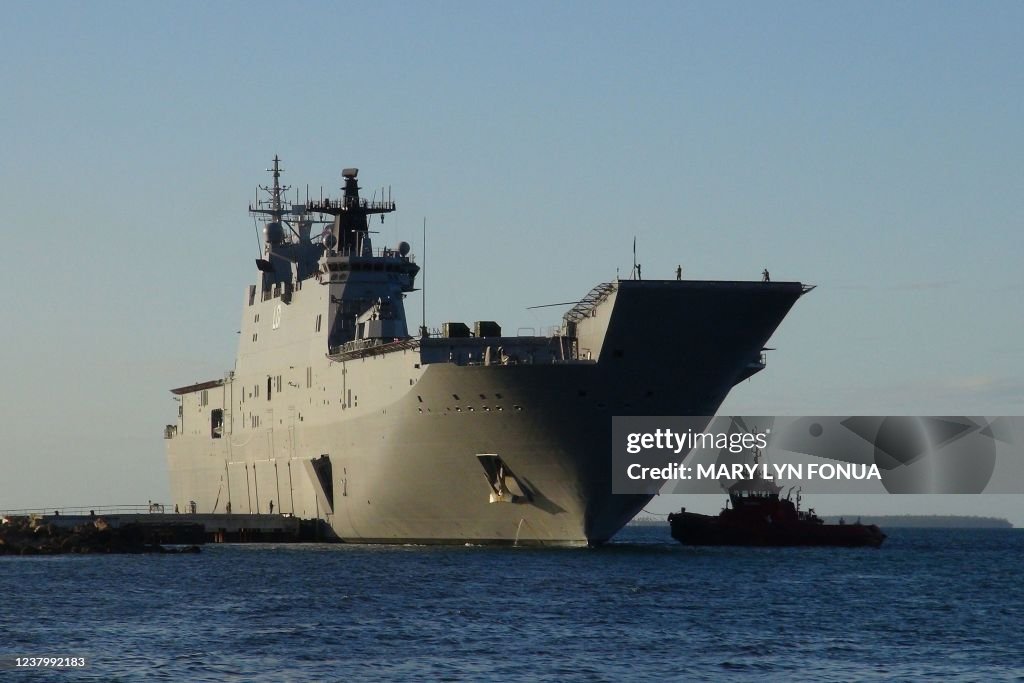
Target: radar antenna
column 351, row 214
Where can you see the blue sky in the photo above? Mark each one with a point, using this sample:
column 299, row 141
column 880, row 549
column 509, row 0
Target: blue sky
column 872, row 149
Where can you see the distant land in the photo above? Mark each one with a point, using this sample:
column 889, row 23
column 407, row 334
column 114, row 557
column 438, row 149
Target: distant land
column 926, row 521
column 891, row 521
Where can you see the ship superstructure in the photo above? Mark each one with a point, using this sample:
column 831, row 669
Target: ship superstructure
column 335, row 410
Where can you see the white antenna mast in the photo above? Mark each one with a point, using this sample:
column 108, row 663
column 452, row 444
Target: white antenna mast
column 423, row 283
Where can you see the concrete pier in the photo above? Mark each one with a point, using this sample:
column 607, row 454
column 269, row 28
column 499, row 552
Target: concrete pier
column 189, row 528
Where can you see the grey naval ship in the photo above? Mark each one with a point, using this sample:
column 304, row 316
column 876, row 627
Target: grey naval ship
column 335, row 411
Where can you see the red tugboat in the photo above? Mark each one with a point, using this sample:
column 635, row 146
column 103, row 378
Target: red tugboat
column 759, row 517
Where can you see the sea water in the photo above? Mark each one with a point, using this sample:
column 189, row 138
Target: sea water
column 931, row 603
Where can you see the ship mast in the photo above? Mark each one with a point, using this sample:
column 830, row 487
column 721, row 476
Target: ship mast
column 273, row 206
column 286, row 252
column 351, row 214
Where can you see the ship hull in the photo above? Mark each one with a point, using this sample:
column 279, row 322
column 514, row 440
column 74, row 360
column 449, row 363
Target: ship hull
column 411, row 473
column 387, row 448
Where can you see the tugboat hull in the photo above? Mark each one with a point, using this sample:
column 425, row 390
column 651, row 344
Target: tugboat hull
column 690, row 528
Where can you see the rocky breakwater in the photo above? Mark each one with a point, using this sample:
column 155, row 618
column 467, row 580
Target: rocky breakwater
column 33, row 535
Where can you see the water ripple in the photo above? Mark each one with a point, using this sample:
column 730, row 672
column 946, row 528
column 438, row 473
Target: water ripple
column 930, row 604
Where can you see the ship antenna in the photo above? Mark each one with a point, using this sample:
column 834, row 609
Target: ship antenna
column 423, row 283
column 275, row 193
column 633, row 273
column 259, row 245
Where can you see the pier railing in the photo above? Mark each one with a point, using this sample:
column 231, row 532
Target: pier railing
column 92, row 510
